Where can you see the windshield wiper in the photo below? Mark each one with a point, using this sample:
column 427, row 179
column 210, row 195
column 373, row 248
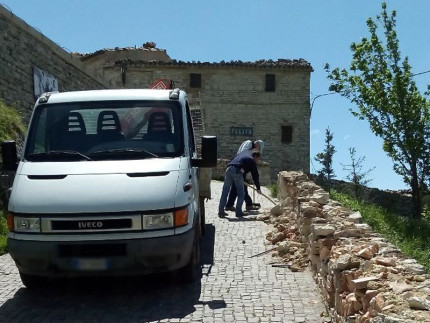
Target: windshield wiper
column 126, row 151
column 57, row 154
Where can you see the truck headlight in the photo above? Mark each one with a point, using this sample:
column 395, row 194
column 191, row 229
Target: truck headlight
column 157, row 221
column 26, row 224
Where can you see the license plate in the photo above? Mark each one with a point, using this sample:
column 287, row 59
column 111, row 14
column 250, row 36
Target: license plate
column 91, row 264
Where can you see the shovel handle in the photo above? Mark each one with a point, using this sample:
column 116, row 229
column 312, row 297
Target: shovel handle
column 260, row 193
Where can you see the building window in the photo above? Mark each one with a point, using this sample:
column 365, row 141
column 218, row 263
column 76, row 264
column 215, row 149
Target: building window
column 270, row 82
column 287, row 134
column 195, row 80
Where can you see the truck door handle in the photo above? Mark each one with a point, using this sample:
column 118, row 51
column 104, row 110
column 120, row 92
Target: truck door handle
column 188, row 186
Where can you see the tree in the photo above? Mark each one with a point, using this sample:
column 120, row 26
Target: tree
column 356, row 175
column 325, row 158
column 381, row 84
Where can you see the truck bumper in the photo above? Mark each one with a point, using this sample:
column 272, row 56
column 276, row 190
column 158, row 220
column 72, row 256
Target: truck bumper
column 102, row 258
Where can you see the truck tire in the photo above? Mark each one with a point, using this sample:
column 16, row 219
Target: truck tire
column 202, row 215
column 33, row 282
column 190, row 272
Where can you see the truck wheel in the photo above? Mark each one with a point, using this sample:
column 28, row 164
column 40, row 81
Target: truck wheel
column 33, row 282
column 189, row 273
column 202, row 215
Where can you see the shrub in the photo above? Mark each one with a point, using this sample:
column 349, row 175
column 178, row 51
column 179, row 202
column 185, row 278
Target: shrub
column 11, row 124
column 273, row 190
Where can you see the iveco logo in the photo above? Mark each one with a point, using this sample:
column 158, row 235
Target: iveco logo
column 90, row 225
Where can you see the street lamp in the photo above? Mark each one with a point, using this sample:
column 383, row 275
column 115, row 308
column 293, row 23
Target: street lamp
column 318, row 96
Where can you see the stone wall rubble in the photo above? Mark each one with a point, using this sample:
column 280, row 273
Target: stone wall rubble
column 362, row 277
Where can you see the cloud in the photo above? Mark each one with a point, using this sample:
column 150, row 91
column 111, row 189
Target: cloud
column 346, row 137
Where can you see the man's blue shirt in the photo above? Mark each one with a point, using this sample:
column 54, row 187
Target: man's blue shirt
column 248, row 164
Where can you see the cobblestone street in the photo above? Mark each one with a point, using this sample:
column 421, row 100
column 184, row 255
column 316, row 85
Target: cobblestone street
column 238, row 284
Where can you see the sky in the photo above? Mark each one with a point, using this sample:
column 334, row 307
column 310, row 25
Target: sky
column 224, row 30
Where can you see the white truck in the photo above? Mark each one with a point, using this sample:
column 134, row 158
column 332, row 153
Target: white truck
column 107, row 184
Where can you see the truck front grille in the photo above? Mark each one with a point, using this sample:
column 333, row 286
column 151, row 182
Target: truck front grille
column 92, row 224
column 84, row 225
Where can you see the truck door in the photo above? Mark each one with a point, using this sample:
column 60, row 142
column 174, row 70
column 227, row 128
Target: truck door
column 194, row 171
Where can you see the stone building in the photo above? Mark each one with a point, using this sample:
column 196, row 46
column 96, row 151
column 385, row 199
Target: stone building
column 266, row 99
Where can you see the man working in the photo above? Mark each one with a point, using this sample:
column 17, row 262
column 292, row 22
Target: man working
column 234, row 176
column 245, row 148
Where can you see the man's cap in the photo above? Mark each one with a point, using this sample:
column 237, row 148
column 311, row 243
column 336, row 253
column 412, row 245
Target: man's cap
column 261, row 144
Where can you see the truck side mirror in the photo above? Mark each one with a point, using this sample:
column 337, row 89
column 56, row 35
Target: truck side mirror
column 209, row 153
column 9, row 156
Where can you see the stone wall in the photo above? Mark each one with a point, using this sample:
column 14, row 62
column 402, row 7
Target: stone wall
column 23, row 48
column 391, row 200
column 363, row 278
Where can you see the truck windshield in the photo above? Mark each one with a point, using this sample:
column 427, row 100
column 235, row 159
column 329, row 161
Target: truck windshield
column 105, row 130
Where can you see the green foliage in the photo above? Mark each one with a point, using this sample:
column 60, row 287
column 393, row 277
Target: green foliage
column 273, row 190
column 381, row 84
column 325, row 158
column 410, row 235
column 11, row 124
column 3, row 234
column 426, row 207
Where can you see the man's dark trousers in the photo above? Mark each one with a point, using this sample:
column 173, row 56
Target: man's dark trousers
column 233, row 194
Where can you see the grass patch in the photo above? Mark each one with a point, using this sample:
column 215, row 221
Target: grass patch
column 3, row 234
column 273, row 190
column 411, row 236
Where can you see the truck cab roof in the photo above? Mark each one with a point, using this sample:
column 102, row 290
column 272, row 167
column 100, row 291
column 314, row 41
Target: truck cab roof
column 111, row 95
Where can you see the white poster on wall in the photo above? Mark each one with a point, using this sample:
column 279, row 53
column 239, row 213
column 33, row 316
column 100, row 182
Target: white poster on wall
column 43, row 82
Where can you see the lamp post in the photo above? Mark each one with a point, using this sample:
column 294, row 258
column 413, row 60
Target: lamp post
column 318, row 96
